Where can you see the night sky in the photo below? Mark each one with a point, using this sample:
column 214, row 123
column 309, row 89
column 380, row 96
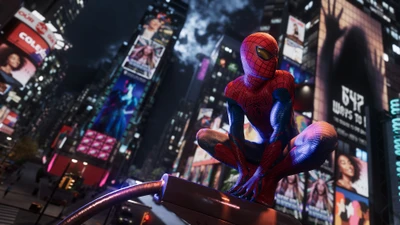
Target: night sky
column 104, row 25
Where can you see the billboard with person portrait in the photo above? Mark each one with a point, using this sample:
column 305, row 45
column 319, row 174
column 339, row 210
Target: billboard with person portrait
column 157, row 26
column 15, row 69
column 119, row 107
column 319, row 203
column 289, row 195
column 143, row 57
column 352, row 169
column 30, row 42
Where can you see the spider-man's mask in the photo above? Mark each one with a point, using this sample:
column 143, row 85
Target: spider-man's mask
column 259, row 54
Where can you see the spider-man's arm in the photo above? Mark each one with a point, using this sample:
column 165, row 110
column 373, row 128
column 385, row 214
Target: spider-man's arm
column 280, row 119
column 236, row 121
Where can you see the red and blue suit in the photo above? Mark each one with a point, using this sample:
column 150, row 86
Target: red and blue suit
column 265, row 95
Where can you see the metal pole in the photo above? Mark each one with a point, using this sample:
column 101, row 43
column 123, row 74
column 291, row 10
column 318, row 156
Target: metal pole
column 52, row 193
column 108, row 215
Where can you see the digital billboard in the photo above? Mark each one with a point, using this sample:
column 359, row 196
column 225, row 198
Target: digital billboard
column 143, row 57
column 37, row 25
column 119, row 107
column 30, row 42
column 300, row 76
column 157, row 26
column 295, row 30
column 301, row 121
column 15, row 69
column 96, row 145
column 350, row 208
column 293, row 45
column 11, row 119
column 289, row 195
column 319, row 204
column 293, row 50
column 351, row 169
column 350, row 69
column 204, row 118
column 63, row 133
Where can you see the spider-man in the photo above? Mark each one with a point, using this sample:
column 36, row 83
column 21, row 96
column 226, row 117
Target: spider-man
column 265, row 95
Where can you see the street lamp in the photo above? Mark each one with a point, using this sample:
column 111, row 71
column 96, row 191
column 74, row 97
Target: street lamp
column 9, row 138
column 85, row 163
column 74, row 160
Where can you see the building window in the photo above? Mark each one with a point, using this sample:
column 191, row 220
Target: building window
column 396, row 49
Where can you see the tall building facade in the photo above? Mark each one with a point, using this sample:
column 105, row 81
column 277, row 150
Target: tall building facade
column 107, row 135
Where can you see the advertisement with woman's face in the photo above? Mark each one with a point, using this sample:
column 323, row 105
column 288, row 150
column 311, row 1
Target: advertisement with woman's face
column 289, row 195
column 352, row 171
column 119, row 107
column 157, row 27
column 15, row 69
column 350, row 208
column 319, row 205
column 143, row 57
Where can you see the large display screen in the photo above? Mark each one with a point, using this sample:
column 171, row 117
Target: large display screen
column 319, row 205
column 36, row 24
column 30, row 42
column 349, row 76
column 15, row 69
column 63, row 133
column 295, row 30
column 350, row 208
column 158, row 27
column 352, row 169
column 300, row 76
column 96, row 145
column 119, row 107
column 293, row 46
column 143, row 57
column 289, row 195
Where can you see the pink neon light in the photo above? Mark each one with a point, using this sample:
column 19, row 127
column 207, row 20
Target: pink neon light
column 103, row 181
column 52, row 162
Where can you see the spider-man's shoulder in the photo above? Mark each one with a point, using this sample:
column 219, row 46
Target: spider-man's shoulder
column 234, row 88
column 284, row 76
column 283, row 79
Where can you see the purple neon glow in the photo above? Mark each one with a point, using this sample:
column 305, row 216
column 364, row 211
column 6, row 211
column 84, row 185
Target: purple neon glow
column 203, row 69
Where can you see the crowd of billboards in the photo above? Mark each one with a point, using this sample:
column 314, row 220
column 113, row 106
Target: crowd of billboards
column 26, row 43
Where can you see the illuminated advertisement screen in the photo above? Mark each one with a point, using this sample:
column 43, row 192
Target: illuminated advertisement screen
column 157, row 26
column 204, row 118
column 119, row 106
column 96, row 145
column 36, row 24
column 30, row 42
column 301, row 121
column 300, row 76
column 143, row 57
column 350, row 208
column 293, row 50
column 15, row 69
column 63, row 133
column 11, row 119
column 295, row 30
column 349, row 76
column 351, row 169
column 289, row 195
column 319, row 205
